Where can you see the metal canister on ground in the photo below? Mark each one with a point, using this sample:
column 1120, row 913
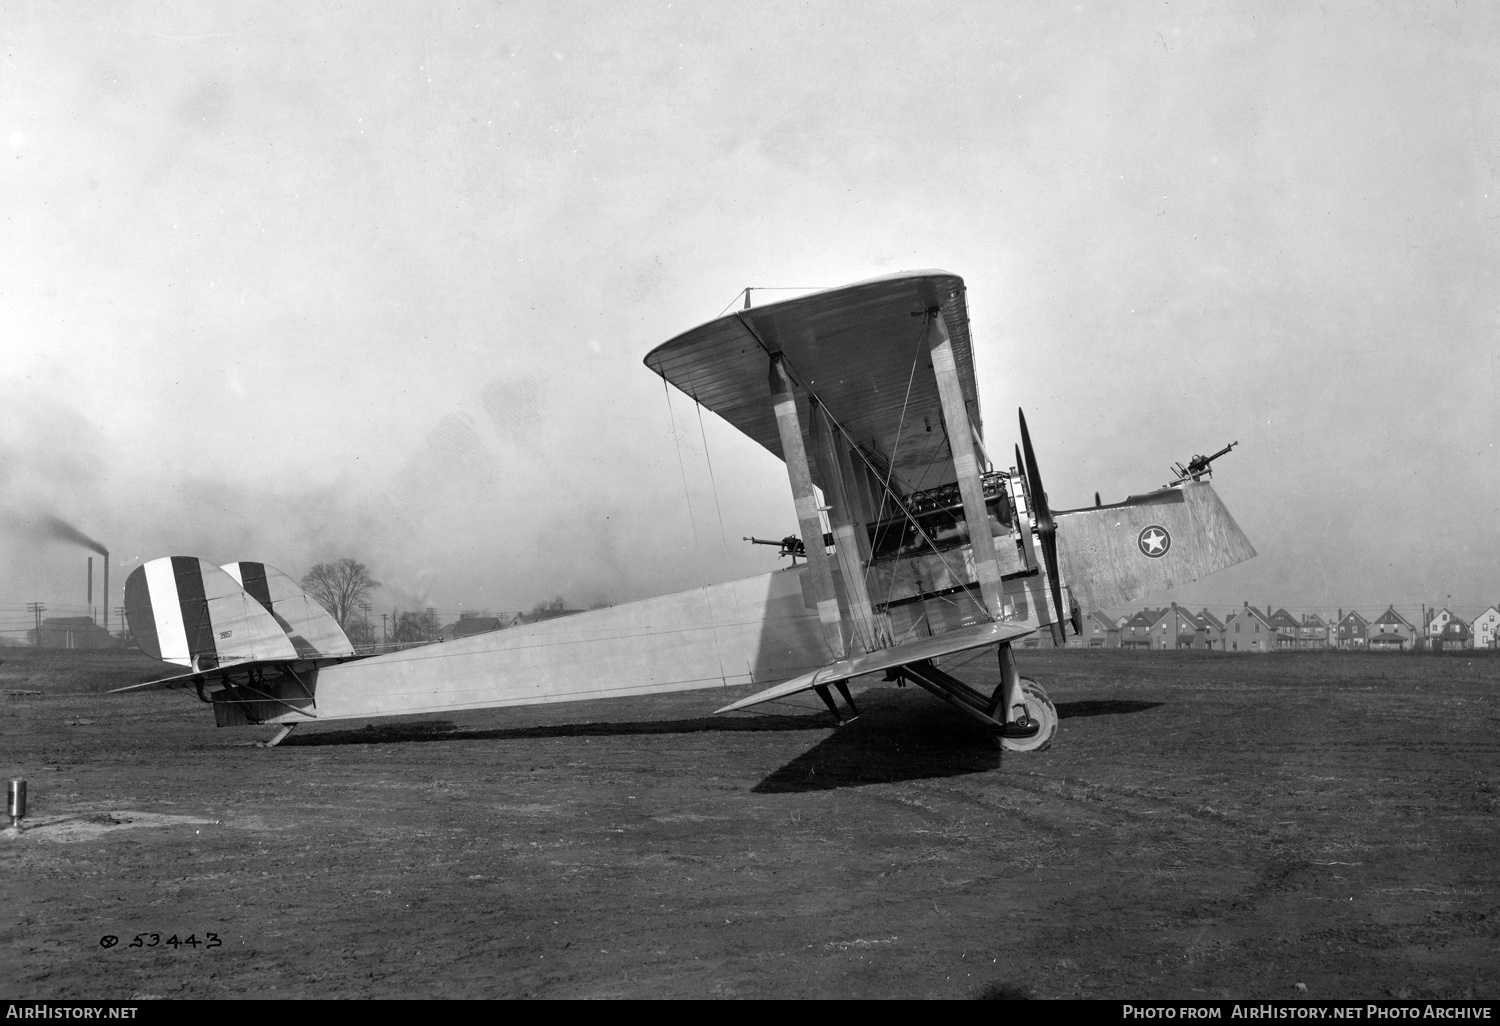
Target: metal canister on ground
column 15, row 801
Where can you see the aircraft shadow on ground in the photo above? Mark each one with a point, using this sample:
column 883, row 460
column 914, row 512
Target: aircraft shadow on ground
column 898, row 740
column 446, row 730
column 895, row 739
column 1108, row 707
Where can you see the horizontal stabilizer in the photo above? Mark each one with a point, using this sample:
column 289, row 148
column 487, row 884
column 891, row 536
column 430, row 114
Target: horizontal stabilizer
column 1147, row 544
column 183, row 679
column 949, row 643
column 185, row 610
column 238, row 673
column 312, row 630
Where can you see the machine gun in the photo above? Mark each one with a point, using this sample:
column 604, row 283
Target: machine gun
column 791, row 545
column 1198, row 467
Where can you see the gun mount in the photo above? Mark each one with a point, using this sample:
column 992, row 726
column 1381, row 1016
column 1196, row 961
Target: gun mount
column 1198, row 467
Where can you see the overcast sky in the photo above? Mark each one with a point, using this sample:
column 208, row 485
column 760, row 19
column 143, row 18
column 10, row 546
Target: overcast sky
column 285, row 282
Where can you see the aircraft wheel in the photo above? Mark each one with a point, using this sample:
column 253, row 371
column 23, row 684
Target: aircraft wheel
column 1038, row 707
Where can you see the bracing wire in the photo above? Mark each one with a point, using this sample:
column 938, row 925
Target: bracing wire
column 890, row 471
column 902, row 507
column 686, row 494
column 727, row 305
column 718, row 509
column 886, row 484
column 693, row 521
column 768, row 288
column 713, row 483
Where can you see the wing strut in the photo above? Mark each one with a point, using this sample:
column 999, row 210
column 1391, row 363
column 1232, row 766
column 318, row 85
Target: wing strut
column 806, row 500
column 965, row 463
column 851, row 545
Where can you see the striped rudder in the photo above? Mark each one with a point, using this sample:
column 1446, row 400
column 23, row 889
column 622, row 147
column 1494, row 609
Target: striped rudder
column 184, row 610
column 312, row 630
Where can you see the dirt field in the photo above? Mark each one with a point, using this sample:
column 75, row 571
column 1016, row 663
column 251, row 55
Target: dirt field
column 1204, row 826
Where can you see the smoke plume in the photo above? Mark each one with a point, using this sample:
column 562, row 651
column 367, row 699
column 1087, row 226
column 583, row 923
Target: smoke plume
column 58, row 529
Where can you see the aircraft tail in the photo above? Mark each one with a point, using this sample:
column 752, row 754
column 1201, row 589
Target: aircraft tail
column 313, row 632
column 1147, row 544
column 185, row 610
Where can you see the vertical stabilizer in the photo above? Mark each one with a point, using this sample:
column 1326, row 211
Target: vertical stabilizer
column 312, row 630
column 184, row 610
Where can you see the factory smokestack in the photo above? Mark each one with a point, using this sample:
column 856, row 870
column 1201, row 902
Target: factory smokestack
column 58, row 528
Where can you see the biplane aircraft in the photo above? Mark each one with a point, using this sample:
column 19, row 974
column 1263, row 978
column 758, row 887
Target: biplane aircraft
column 919, row 546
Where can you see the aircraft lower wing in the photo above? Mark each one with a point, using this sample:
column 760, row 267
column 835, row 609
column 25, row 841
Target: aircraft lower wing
column 950, row 643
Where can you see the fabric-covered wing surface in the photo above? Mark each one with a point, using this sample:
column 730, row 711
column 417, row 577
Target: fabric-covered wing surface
column 857, row 348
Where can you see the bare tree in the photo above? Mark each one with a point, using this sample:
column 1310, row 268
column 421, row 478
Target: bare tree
column 413, row 627
column 340, row 587
column 361, row 635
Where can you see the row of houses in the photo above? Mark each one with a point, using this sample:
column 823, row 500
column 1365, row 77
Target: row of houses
column 1249, row 629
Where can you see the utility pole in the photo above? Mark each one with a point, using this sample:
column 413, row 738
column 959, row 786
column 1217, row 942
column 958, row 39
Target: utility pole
column 38, row 608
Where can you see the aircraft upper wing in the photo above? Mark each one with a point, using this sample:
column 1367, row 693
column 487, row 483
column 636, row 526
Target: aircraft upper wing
column 950, row 643
column 862, row 349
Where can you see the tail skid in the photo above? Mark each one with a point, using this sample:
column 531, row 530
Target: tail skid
column 253, row 639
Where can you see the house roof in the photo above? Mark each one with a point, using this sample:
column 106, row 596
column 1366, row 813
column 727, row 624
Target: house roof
column 1208, row 619
column 476, row 625
column 1183, row 616
column 1248, row 610
column 1393, row 618
column 1281, row 618
column 1352, row 615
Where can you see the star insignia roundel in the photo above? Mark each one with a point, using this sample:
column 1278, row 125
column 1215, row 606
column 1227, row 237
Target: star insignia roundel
column 1154, row 541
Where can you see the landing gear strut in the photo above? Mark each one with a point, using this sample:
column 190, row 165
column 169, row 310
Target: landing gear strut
column 1028, row 717
column 823, row 693
column 1019, row 714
